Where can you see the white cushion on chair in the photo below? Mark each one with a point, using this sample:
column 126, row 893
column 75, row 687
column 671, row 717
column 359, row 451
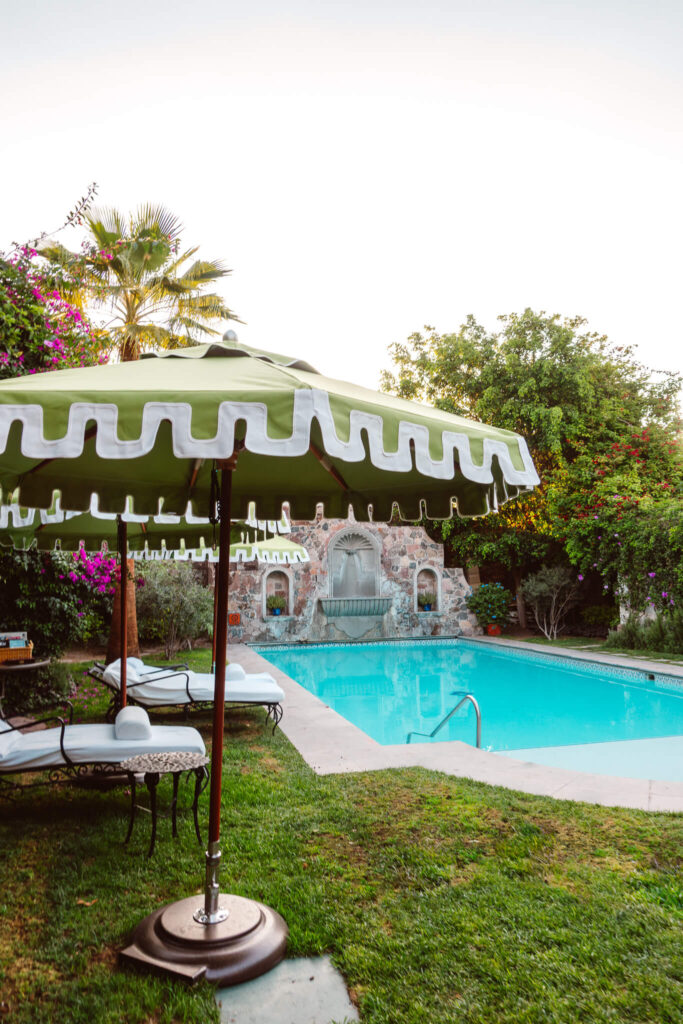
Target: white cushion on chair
column 132, row 723
column 90, row 744
column 4, row 726
column 112, row 673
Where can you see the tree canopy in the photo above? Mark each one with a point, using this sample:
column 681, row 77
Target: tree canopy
column 598, row 424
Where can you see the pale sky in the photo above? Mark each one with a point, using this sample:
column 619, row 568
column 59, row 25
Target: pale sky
column 367, row 168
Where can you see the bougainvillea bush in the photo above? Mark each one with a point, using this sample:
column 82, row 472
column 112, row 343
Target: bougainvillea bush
column 39, row 330
column 59, row 599
column 623, row 517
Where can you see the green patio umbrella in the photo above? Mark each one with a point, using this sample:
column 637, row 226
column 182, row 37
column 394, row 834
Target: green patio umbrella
column 160, row 431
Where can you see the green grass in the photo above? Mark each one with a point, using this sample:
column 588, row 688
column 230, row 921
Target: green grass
column 441, row 900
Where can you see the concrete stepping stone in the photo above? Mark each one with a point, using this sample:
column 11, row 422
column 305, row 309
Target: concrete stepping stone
column 302, row 991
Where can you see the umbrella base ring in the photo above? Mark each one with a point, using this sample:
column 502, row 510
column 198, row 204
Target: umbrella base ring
column 171, row 942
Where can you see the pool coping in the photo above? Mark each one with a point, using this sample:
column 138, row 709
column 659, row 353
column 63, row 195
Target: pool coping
column 331, row 745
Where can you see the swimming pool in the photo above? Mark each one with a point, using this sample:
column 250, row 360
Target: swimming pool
column 541, row 707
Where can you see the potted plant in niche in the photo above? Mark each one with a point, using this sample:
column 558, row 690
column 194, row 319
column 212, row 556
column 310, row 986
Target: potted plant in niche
column 491, row 604
column 276, row 604
column 426, row 601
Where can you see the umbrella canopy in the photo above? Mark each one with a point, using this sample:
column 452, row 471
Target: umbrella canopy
column 149, row 430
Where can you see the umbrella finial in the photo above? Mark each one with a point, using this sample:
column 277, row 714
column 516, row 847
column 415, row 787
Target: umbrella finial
column 230, row 336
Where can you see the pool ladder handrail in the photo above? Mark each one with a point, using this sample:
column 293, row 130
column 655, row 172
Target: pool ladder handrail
column 466, row 697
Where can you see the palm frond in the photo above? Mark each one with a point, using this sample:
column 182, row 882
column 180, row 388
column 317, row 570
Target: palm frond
column 211, row 307
column 150, row 216
column 107, row 224
column 202, row 271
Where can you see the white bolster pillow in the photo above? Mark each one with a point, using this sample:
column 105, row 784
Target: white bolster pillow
column 234, row 673
column 132, row 723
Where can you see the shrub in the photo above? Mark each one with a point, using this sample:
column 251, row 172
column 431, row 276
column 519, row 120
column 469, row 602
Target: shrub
column 663, row 634
column 172, row 607
column 490, row 603
column 49, row 685
column 600, row 615
column 276, row 601
column 551, row 592
column 429, row 597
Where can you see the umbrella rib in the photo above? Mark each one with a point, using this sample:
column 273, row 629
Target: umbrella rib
column 326, row 464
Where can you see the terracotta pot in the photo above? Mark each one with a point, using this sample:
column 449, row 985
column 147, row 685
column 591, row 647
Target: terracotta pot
column 493, row 629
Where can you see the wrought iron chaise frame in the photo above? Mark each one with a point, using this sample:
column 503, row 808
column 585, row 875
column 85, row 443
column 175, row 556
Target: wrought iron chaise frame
column 274, row 710
column 58, row 773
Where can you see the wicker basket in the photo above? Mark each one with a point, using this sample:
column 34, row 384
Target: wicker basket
column 16, row 653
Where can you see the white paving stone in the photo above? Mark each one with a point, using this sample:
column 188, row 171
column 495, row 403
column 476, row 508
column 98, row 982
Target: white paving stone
column 302, row 991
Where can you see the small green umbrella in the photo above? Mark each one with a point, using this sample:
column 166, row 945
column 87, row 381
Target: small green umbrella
column 56, row 529
column 278, row 432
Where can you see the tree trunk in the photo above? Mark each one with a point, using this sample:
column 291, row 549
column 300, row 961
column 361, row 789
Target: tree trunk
column 114, row 645
column 473, row 576
column 519, row 598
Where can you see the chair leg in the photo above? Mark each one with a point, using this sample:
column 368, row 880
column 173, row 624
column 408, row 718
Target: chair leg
column 131, row 776
column 200, row 774
column 174, row 805
column 152, row 780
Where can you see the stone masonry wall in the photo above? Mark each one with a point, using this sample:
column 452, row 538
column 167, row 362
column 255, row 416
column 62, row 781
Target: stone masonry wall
column 405, row 551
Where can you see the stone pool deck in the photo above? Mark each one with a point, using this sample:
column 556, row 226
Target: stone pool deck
column 331, row 745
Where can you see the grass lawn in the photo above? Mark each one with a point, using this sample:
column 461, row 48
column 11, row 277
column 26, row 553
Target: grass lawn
column 440, row 900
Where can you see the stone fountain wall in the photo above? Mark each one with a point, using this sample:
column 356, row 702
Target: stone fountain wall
column 404, row 552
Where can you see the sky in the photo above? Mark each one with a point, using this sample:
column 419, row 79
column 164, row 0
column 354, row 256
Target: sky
column 366, row 168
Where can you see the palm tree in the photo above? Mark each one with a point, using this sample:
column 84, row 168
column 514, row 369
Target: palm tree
column 133, row 268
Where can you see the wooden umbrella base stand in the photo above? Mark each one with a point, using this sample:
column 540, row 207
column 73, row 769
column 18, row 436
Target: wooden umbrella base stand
column 250, row 941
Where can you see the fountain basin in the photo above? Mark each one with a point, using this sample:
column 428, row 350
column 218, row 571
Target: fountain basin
column 338, row 607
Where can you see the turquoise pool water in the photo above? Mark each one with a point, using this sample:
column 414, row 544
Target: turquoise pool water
column 528, row 701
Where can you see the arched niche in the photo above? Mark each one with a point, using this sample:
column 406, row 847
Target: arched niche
column 277, row 581
column 427, row 581
column 353, row 564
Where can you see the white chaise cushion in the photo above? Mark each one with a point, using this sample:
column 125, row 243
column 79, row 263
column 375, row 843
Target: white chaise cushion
column 89, row 744
column 132, row 723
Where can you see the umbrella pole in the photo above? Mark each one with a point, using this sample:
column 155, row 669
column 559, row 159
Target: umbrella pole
column 212, row 913
column 123, row 605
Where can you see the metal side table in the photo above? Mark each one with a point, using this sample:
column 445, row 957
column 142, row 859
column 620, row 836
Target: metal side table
column 153, row 766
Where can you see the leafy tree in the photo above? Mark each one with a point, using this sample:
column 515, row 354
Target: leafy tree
column 132, row 268
column 551, row 592
column 568, row 391
column 172, row 606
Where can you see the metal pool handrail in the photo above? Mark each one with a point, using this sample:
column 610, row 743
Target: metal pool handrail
column 466, row 696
